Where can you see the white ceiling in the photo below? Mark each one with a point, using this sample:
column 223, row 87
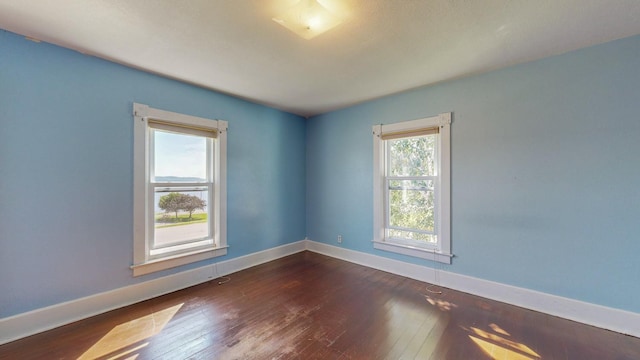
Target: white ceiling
column 383, row 47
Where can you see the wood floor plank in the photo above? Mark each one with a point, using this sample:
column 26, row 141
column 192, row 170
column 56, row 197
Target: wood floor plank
column 309, row 306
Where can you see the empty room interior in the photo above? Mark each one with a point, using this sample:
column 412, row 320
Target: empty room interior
column 330, row 179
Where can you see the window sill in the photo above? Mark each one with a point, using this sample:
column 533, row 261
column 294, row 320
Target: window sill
column 427, row 254
column 177, row 260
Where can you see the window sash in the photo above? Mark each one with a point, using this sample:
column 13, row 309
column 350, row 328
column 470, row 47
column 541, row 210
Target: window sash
column 210, row 146
column 387, row 192
column 156, row 251
column 419, row 231
column 179, row 249
column 187, row 187
column 389, row 188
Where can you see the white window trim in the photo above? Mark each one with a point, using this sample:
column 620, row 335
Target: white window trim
column 442, row 252
column 143, row 263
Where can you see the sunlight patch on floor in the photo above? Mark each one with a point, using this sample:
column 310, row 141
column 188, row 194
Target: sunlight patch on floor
column 499, row 348
column 124, row 339
column 443, row 305
column 498, row 329
column 498, row 352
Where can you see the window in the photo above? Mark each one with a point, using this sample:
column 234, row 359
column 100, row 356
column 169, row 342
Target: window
column 412, row 188
column 179, row 189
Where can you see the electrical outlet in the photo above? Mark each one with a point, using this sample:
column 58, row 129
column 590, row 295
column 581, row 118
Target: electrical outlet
column 339, row 239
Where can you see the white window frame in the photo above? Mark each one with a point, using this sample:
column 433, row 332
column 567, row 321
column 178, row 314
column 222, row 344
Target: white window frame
column 144, row 262
column 441, row 251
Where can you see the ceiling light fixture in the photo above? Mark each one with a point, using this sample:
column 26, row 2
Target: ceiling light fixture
column 308, row 19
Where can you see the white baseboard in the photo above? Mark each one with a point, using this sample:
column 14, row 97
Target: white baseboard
column 39, row 320
column 621, row 321
column 36, row 321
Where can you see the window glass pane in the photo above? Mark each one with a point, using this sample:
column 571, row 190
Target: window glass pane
column 413, row 156
column 181, row 215
column 179, row 157
column 411, row 204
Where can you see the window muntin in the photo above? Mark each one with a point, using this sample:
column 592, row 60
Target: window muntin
column 179, row 189
column 411, row 181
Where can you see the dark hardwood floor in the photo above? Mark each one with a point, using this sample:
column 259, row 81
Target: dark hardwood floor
column 309, row 306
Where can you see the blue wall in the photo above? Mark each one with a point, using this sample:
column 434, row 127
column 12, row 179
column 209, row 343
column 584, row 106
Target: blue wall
column 545, row 173
column 66, row 171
